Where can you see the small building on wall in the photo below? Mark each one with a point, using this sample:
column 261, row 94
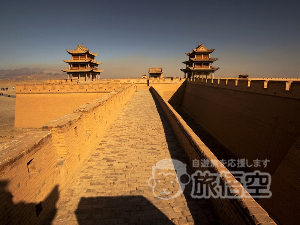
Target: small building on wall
column 82, row 66
column 199, row 63
column 155, row 72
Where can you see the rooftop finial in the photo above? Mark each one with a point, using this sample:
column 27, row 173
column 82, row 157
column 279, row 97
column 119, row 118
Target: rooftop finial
column 82, row 45
column 198, row 43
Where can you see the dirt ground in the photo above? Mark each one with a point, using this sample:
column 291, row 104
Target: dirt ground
column 7, row 111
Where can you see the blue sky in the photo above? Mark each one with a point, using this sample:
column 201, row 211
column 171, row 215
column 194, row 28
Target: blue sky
column 260, row 38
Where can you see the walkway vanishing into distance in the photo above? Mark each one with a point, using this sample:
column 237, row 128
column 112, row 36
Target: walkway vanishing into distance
column 112, row 187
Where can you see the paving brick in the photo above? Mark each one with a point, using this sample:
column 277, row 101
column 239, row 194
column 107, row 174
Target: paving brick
column 112, row 187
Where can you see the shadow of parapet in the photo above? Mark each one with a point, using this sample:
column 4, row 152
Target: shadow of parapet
column 26, row 213
column 220, row 150
column 177, row 98
column 234, row 205
column 200, row 209
column 119, row 210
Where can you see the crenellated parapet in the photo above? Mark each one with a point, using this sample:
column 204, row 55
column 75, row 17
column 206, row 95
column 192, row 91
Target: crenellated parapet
column 66, row 88
column 283, row 87
column 153, row 80
column 37, row 167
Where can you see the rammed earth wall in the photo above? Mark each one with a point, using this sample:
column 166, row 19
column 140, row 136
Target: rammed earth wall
column 256, row 119
column 35, row 169
column 38, row 104
column 230, row 211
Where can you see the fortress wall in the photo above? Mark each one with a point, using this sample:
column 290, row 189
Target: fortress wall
column 29, row 175
column 230, row 211
column 260, row 121
column 34, row 110
column 36, row 169
column 285, row 186
column 173, row 92
column 38, row 104
column 168, row 87
column 67, row 87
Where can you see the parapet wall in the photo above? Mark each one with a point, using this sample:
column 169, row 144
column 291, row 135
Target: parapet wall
column 152, row 80
column 236, row 210
column 37, row 104
column 144, row 81
column 259, row 121
column 67, row 88
column 282, row 87
column 36, row 169
column 256, row 120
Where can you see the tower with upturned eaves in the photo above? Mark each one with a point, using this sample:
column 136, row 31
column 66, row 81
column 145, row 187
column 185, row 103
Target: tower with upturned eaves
column 200, row 63
column 82, row 66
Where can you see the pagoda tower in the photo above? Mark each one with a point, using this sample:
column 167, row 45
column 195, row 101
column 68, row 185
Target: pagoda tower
column 200, row 63
column 82, row 66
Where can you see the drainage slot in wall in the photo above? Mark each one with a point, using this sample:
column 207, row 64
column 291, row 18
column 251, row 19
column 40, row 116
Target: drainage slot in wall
column 38, row 209
column 31, row 166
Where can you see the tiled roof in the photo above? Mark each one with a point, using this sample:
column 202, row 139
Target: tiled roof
column 81, row 61
column 83, row 70
column 201, row 48
column 81, row 49
column 200, row 69
column 155, row 70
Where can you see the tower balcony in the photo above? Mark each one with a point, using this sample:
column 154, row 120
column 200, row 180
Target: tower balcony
column 200, row 68
column 200, row 60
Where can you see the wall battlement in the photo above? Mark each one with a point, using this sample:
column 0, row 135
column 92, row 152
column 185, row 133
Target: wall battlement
column 124, row 80
column 67, row 88
column 282, row 87
column 105, row 86
column 256, row 120
column 37, row 168
column 239, row 210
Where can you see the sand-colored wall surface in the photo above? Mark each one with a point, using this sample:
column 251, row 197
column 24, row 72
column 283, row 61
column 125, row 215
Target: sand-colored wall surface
column 229, row 210
column 37, row 104
column 34, row 110
column 256, row 120
column 36, row 169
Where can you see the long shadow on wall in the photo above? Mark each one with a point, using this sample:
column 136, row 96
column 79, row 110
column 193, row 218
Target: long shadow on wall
column 217, row 148
column 119, row 210
column 177, row 98
column 26, row 213
column 200, row 208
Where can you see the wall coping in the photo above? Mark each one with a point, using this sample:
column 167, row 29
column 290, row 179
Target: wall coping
column 19, row 147
column 22, row 146
column 283, row 87
column 63, row 121
column 248, row 206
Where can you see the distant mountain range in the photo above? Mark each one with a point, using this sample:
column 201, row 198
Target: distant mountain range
column 31, row 74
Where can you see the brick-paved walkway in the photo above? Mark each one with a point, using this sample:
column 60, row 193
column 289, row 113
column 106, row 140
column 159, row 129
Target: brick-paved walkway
column 112, row 187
